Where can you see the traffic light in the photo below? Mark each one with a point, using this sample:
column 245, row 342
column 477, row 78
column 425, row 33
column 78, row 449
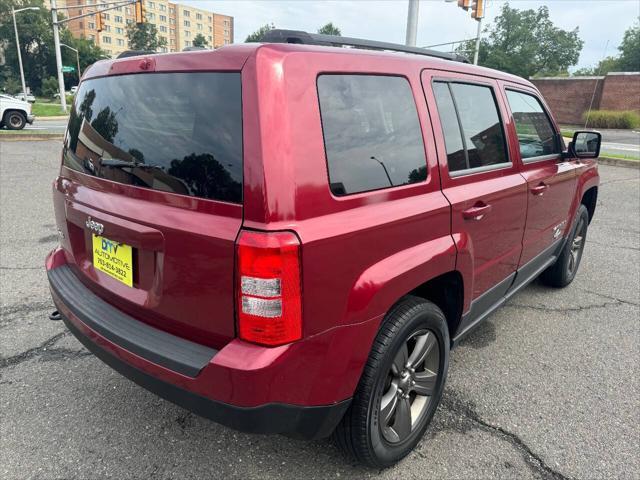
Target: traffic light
column 99, row 22
column 140, row 12
column 477, row 9
column 464, row 4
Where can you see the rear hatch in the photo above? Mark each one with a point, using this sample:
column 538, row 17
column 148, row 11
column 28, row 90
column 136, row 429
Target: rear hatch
column 149, row 200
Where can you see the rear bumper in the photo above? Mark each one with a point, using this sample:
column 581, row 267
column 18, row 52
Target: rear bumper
column 301, row 389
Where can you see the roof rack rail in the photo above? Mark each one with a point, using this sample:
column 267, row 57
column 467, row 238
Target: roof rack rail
column 134, row 53
column 305, row 38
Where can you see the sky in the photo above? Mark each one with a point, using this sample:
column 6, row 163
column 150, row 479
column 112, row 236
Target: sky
column 601, row 22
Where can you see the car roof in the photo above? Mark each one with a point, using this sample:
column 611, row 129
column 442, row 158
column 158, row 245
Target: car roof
column 233, row 57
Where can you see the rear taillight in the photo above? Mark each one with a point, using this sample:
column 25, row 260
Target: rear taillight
column 268, row 292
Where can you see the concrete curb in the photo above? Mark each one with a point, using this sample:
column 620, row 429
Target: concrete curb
column 54, row 117
column 28, row 137
column 619, row 162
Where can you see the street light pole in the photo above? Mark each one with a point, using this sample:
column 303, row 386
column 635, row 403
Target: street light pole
column 77, row 58
column 15, row 27
column 412, row 23
column 56, row 43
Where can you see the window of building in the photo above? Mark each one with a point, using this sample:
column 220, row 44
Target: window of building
column 471, row 125
column 226, row 33
column 120, row 42
column 163, row 18
column 163, row 28
column 119, row 30
column 198, row 16
column 127, row 10
column 187, row 43
column 226, row 23
column 172, row 21
column 172, row 31
column 163, row 49
column 117, row 19
column 172, row 41
column 209, row 18
column 107, row 28
column 199, row 26
column 172, row 10
column 106, row 39
column 186, row 13
column 107, row 16
column 163, row 7
column 187, row 23
column 536, row 134
column 129, row 21
column 151, row 16
column 372, row 134
column 80, row 24
column 211, row 29
column 187, row 33
column 163, row 38
column 92, row 38
column 210, row 38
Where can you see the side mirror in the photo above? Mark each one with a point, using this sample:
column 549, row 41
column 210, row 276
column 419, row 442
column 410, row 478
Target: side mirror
column 585, row 144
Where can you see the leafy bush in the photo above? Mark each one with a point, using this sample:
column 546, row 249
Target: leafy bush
column 610, row 119
column 49, row 86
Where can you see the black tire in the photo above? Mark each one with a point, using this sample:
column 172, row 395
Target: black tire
column 363, row 433
column 564, row 270
column 14, row 120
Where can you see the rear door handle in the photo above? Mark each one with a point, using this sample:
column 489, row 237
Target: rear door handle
column 476, row 212
column 540, row 189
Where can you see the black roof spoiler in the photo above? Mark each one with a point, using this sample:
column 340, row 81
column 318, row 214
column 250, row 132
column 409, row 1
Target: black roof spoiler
column 305, row 38
column 134, row 53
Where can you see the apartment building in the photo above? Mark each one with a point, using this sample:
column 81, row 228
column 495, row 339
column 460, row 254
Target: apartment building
column 178, row 24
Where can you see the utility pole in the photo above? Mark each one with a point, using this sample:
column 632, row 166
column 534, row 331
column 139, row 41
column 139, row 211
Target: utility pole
column 412, row 23
column 15, row 27
column 477, row 50
column 56, row 43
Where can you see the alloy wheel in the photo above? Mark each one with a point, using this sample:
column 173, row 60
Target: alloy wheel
column 409, row 386
column 577, row 246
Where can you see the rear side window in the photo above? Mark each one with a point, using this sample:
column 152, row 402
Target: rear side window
column 371, row 132
column 175, row 132
column 536, row 135
column 477, row 122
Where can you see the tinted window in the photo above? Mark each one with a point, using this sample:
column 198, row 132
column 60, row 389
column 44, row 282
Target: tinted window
column 481, row 128
column 176, row 132
column 371, row 132
column 456, row 155
column 535, row 132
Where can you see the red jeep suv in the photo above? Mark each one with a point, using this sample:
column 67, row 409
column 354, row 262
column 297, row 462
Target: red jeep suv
column 290, row 237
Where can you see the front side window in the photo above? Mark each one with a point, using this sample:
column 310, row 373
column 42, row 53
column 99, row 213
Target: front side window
column 174, row 132
column 371, row 132
column 477, row 122
column 536, row 134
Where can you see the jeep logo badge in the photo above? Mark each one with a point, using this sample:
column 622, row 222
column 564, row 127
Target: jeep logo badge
column 94, row 226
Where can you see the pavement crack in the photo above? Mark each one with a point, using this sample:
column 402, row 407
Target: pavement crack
column 617, row 299
column 32, row 352
column 535, row 462
column 579, row 308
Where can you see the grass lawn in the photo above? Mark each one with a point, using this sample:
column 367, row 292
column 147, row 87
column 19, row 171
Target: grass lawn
column 619, row 156
column 46, row 109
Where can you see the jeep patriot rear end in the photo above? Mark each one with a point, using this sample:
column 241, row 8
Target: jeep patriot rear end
column 290, row 238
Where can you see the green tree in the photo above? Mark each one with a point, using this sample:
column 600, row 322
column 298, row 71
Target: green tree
column 11, row 85
column 36, row 45
column 629, row 60
column 49, row 87
column 527, row 43
column 330, row 29
column 200, row 41
column 258, row 34
column 144, row 37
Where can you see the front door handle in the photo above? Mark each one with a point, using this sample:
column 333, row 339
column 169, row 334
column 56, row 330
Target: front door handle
column 540, row 189
column 477, row 212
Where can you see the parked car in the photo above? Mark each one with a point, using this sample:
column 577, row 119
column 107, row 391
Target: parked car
column 296, row 244
column 30, row 98
column 14, row 113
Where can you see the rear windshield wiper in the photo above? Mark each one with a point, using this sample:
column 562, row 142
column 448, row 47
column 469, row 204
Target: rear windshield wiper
column 118, row 163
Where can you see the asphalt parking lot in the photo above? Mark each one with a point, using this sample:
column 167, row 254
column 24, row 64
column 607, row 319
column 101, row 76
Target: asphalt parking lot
column 549, row 387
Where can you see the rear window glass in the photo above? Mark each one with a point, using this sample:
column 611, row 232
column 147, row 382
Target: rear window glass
column 371, row 132
column 175, row 132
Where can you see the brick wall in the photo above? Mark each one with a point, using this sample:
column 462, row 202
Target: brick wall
column 569, row 98
column 621, row 91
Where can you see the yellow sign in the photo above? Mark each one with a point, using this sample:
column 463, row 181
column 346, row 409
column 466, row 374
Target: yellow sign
column 114, row 259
